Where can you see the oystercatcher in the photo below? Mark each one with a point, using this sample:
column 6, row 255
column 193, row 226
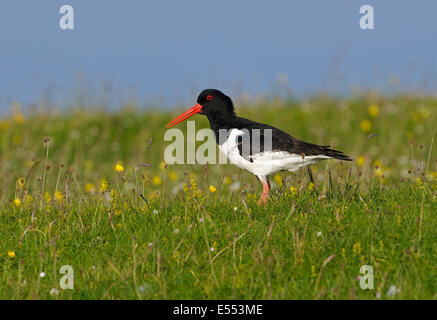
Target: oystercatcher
column 275, row 151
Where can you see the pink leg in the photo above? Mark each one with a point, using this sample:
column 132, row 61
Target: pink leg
column 265, row 195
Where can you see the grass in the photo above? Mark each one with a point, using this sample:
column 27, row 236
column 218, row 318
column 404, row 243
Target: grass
column 64, row 201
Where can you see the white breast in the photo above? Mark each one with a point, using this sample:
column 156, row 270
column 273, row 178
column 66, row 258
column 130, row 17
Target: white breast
column 265, row 163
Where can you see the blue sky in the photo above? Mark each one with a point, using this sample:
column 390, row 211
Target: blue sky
column 174, row 49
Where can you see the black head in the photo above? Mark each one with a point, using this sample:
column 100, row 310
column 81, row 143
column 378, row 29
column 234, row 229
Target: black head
column 215, row 103
column 217, row 106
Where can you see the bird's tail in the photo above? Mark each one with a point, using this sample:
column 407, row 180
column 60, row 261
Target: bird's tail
column 335, row 154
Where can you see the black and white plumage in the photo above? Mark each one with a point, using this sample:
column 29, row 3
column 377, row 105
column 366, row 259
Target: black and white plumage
column 274, row 151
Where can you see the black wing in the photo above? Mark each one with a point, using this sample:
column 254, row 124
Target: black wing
column 280, row 141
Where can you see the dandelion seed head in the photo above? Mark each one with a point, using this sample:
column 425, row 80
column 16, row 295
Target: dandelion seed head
column 392, row 291
column 54, row 292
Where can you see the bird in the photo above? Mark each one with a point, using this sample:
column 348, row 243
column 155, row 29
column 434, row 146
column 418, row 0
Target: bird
column 274, row 151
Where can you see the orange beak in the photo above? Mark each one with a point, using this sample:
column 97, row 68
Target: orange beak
column 192, row 111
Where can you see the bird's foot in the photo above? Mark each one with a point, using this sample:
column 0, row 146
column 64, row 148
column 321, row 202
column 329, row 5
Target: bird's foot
column 265, row 195
column 263, row 199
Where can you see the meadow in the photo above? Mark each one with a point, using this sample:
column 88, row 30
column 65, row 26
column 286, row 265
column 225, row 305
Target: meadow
column 89, row 188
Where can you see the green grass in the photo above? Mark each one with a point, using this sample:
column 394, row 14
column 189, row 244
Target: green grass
column 63, row 203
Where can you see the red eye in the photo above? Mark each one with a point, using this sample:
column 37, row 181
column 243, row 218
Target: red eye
column 209, row 98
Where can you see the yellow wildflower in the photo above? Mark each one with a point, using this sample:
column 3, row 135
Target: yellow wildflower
column 113, row 195
column 47, row 197
column 20, row 182
column 293, row 191
column 379, row 172
column 278, row 179
column 356, row 248
column 173, row 175
column 227, row 180
column 4, row 125
column 366, row 125
column 374, row 110
column 192, row 176
column 89, row 187
column 103, row 185
column 154, row 196
column 58, row 196
column 11, row 254
column 29, row 199
column 119, row 167
column 381, row 244
column 157, row 181
column 19, row 118
column 420, row 183
column 212, row 188
column 311, row 186
column 162, row 165
column 17, row 139
column 17, row 202
column 313, row 271
column 432, row 175
column 360, row 161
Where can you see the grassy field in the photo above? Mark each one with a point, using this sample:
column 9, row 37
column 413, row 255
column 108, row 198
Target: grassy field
column 70, row 195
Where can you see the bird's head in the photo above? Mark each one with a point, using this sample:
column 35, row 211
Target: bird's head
column 212, row 103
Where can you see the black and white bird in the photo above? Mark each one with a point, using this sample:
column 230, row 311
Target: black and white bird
column 275, row 151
